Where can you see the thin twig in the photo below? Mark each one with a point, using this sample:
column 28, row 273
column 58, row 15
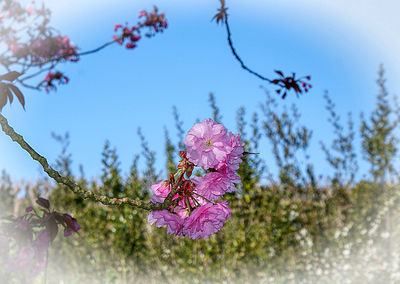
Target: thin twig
column 228, row 31
column 97, row 49
column 55, row 61
column 38, row 72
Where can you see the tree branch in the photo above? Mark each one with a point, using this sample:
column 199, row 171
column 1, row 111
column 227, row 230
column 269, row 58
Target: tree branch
column 97, row 49
column 75, row 188
column 228, row 31
column 284, row 83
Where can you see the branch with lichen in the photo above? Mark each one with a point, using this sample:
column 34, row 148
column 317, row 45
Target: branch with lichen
column 75, row 188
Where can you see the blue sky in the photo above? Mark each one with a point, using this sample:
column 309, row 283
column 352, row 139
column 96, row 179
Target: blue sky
column 112, row 93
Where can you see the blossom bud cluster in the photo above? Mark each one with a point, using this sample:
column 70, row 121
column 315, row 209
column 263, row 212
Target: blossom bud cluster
column 49, row 80
column 13, row 11
column 153, row 21
column 195, row 211
column 45, row 49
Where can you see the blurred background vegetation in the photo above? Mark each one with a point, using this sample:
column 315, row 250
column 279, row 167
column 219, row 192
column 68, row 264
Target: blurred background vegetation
column 289, row 227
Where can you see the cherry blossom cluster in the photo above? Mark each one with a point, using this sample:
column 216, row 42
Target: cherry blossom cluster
column 24, row 31
column 45, row 49
column 195, row 211
column 49, row 80
column 30, row 46
column 13, row 12
column 153, row 21
column 24, row 240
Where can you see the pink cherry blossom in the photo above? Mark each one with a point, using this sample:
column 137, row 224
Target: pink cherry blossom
column 233, row 158
column 160, row 191
column 213, row 185
column 206, row 220
column 206, row 144
column 193, row 214
column 30, row 10
column 164, row 217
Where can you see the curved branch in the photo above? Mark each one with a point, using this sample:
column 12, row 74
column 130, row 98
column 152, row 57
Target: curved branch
column 228, row 31
column 97, row 49
column 75, row 188
column 57, row 60
column 37, row 73
column 284, row 83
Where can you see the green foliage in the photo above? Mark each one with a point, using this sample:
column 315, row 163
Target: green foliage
column 216, row 115
column 149, row 176
column 110, row 178
column 8, row 193
column 179, row 128
column 378, row 139
column 287, row 138
column 169, row 153
column 341, row 154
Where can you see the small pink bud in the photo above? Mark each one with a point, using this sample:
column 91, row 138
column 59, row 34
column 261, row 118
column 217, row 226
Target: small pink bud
column 142, row 13
column 116, row 27
column 30, row 10
column 117, row 39
column 135, row 38
column 130, row 45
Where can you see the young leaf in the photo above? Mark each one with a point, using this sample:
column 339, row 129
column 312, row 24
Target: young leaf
column 52, row 228
column 3, row 97
column 43, row 202
column 11, row 76
column 18, row 94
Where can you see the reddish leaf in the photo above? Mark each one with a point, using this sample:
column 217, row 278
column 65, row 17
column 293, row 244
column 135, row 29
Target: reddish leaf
column 18, row 94
column 189, row 171
column 182, row 154
column 11, row 76
column 52, row 228
column 279, row 72
column 72, row 225
column 9, row 94
column 296, row 88
column 3, row 97
column 43, row 202
column 69, row 221
column 220, row 16
column 59, row 218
